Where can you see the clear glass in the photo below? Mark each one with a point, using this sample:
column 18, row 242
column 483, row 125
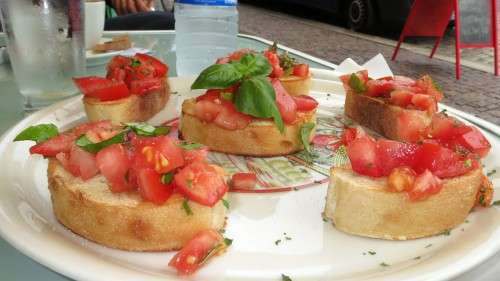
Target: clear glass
column 45, row 42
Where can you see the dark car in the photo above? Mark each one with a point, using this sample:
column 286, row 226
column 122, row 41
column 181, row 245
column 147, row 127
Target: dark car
column 362, row 14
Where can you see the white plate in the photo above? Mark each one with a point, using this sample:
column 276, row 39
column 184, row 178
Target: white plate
column 317, row 251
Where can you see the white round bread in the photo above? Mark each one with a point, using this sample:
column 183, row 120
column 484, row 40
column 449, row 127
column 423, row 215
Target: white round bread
column 124, row 220
column 133, row 108
column 361, row 206
column 259, row 138
column 296, row 85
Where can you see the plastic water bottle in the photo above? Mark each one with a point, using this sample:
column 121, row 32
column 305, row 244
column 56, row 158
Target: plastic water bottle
column 205, row 30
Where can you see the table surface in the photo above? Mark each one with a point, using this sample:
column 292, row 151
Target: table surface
column 16, row 266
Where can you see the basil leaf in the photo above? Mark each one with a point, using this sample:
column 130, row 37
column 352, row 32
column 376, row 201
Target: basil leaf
column 217, row 76
column 256, row 97
column 356, row 84
column 190, row 146
column 251, row 65
column 38, row 133
column 92, row 147
column 167, row 178
column 146, row 130
column 225, row 203
column 187, row 209
column 135, row 63
column 285, row 278
column 305, row 133
column 228, row 241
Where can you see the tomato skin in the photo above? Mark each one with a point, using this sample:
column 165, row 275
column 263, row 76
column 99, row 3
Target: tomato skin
column 102, row 88
column 363, row 155
column 474, row 141
column 85, row 161
column 403, row 81
column 394, row 154
column 441, row 161
column 401, row 98
column 401, row 179
column 114, row 163
column 118, row 62
column 231, row 119
column 151, row 188
column 191, row 256
column 379, row 87
column 116, row 74
column 159, row 153
column 63, row 158
column 201, row 183
column 424, row 102
column 286, row 104
column 301, row 70
column 244, row 180
column 160, row 69
column 425, row 185
column 410, row 126
column 53, row 146
column 207, row 110
column 146, row 85
column 445, row 128
column 305, row 103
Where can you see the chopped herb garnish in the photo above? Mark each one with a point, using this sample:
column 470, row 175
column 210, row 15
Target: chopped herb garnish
column 167, row 178
column 466, row 221
column 305, row 134
column 468, row 163
column 187, row 209
column 228, row 241
column 356, row 84
column 146, row 130
column 325, row 219
column 277, row 242
column 225, row 203
column 428, row 246
column 227, row 96
column 84, row 142
column 447, row 232
column 285, row 277
column 190, row 146
column 38, row 133
column 135, row 63
column 372, row 253
column 189, row 183
column 490, row 173
column 288, row 238
column 417, row 258
column 496, row 203
column 384, row 264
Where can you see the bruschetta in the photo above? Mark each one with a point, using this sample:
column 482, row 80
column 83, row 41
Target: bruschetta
column 245, row 112
column 134, row 90
column 133, row 187
column 398, row 190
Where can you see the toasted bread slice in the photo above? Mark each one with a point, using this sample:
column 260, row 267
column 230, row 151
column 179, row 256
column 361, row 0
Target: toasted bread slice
column 296, row 85
column 124, row 220
column 133, row 108
column 361, row 205
column 385, row 119
column 117, row 43
column 259, row 138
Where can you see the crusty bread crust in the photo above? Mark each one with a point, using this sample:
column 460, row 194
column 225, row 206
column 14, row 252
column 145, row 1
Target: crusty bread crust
column 130, row 109
column 380, row 117
column 295, row 85
column 124, row 221
column 360, row 205
column 259, row 138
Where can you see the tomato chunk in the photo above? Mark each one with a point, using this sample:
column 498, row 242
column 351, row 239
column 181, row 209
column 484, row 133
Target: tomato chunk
column 102, row 88
column 425, row 185
column 160, row 69
column 429, row 87
column 301, row 70
column 363, row 155
column 393, row 154
column 305, row 103
column 275, row 64
column 146, row 85
column 401, row 98
column 151, row 188
column 194, row 155
column 159, row 153
column 201, row 183
column 474, row 141
column 286, row 104
column 244, row 180
column 114, row 164
column 53, row 146
column 424, row 102
column 195, row 253
column 381, row 87
column 84, row 161
column 441, row 161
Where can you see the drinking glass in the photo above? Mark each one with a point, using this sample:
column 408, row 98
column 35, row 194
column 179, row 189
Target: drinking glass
column 45, row 42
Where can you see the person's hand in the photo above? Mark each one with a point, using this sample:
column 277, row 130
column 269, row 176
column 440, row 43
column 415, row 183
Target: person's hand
column 123, row 7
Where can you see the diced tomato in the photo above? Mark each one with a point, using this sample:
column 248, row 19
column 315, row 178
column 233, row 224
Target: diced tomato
column 151, row 188
column 196, row 251
column 159, row 153
column 229, row 118
column 429, row 87
column 102, row 88
column 441, row 161
column 401, row 179
column 348, row 135
column 425, row 185
column 403, row 81
column 223, row 60
column 244, row 180
column 275, row 64
column 139, row 72
column 160, row 69
column 194, row 155
column 201, row 183
column 63, row 158
column 410, row 126
column 379, row 87
column 114, row 164
column 118, row 62
column 424, row 102
column 393, row 154
column 52, row 146
column 210, row 95
column 285, row 103
column 445, row 128
column 324, row 140
column 237, row 55
column 104, row 125
column 85, row 161
column 473, row 141
column 116, row 74
column 207, row 110
column 305, row 103
column 401, row 98
column 301, row 70
column 146, row 85
column 363, row 155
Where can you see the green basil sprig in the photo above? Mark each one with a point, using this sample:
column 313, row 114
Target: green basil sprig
column 87, row 145
column 356, row 84
column 146, row 130
column 305, row 133
column 255, row 95
column 38, row 133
